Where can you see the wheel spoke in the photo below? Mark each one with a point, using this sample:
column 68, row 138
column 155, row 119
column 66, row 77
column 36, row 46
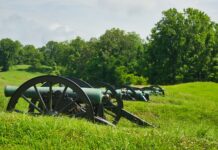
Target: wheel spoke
column 31, row 108
column 26, row 99
column 61, row 97
column 22, row 112
column 40, row 98
column 50, row 96
column 106, row 91
column 109, row 104
column 82, row 113
column 60, row 111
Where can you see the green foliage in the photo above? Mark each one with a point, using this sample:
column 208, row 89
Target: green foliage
column 30, row 55
column 125, row 78
column 116, row 48
column 214, row 59
column 16, row 76
column 56, row 70
column 77, row 57
column 181, row 47
column 8, row 51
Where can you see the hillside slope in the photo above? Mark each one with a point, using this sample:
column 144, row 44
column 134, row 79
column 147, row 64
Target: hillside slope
column 186, row 118
column 16, row 76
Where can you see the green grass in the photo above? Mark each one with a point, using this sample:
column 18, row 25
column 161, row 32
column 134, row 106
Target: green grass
column 186, row 118
column 16, row 76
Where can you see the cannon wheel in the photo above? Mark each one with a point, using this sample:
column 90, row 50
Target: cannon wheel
column 133, row 96
column 158, row 88
column 112, row 102
column 50, row 106
column 154, row 89
column 80, row 82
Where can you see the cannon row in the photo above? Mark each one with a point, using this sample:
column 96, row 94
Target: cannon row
column 57, row 96
column 127, row 92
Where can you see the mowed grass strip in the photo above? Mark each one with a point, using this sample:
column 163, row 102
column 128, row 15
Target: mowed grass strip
column 186, row 118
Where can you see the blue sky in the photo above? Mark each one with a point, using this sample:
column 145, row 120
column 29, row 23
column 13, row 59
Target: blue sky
column 39, row 21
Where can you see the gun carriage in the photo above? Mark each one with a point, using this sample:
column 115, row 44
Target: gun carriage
column 57, row 96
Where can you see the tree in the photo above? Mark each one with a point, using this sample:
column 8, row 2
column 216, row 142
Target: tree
column 199, row 44
column 214, row 58
column 164, row 47
column 75, row 57
column 28, row 53
column 180, row 47
column 117, row 48
column 50, row 53
column 8, row 52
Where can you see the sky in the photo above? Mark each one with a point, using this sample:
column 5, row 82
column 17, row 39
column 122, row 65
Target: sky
column 39, row 21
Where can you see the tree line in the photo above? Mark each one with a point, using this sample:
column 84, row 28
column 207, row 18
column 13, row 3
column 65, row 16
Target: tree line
column 182, row 47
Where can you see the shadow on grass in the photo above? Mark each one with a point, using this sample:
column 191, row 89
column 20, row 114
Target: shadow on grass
column 42, row 69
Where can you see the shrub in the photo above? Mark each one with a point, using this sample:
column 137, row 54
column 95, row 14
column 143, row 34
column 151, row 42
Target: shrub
column 128, row 78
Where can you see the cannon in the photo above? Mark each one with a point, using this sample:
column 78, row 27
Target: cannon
column 57, row 96
column 125, row 92
column 140, row 94
column 153, row 90
column 133, row 94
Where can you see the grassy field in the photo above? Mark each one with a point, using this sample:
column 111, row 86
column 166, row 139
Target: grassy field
column 186, row 118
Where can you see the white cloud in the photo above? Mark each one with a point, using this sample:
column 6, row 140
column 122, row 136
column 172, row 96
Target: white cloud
column 128, row 5
column 38, row 21
column 57, row 26
column 32, row 32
